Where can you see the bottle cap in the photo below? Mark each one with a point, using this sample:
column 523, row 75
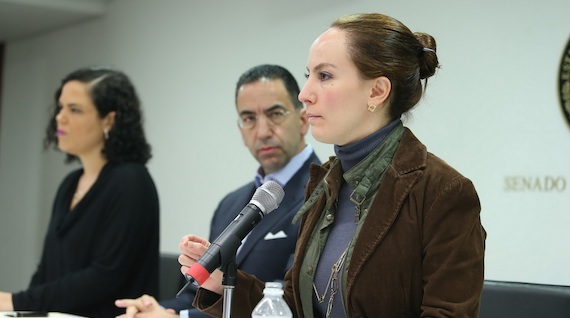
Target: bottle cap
column 273, row 288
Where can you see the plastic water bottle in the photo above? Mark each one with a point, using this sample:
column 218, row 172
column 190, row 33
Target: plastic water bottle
column 272, row 305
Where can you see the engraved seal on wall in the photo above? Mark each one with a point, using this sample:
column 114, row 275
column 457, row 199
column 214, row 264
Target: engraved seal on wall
column 564, row 82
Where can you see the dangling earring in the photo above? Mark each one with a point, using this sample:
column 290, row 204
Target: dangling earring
column 371, row 107
column 106, row 133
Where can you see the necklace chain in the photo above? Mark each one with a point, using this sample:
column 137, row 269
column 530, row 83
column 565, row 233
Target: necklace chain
column 332, row 283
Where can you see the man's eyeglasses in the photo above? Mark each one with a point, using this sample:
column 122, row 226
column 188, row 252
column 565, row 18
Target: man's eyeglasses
column 273, row 117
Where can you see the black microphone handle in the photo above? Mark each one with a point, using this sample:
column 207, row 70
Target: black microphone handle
column 223, row 250
column 227, row 243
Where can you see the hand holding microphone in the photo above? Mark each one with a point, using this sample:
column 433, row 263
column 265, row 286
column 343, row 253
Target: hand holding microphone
column 192, row 248
column 265, row 199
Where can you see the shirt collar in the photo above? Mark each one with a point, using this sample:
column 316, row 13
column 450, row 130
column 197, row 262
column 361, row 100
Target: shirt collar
column 283, row 175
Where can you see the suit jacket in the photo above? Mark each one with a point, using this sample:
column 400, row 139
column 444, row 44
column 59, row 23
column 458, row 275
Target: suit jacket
column 420, row 252
column 268, row 250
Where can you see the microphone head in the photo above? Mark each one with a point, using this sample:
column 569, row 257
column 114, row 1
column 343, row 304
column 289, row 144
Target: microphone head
column 268, row 197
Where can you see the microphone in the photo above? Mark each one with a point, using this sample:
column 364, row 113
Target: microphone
column 265, row 199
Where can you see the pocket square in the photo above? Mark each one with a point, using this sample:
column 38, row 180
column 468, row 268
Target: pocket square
column 278, row 235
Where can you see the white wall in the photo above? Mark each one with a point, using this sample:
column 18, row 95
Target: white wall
column 492, row 112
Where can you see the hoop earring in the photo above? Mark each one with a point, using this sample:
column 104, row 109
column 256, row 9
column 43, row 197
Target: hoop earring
column 106, row 133
column 371, row 107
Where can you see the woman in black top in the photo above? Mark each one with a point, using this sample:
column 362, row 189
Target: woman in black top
column 102, row 241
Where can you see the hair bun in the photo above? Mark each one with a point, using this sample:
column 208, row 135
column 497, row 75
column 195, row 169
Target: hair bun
column 427, row 57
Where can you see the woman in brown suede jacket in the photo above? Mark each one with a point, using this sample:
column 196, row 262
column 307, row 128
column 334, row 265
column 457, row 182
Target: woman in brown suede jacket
column 388, row 229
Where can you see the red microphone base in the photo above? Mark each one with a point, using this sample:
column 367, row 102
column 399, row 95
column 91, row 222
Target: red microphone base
column 199, row 273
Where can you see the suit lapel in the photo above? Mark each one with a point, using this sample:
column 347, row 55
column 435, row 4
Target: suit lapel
column 294, row 194
column 263, row 228
column 230, row 211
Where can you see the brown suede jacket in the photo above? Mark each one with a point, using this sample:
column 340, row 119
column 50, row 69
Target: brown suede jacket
column 420, row 252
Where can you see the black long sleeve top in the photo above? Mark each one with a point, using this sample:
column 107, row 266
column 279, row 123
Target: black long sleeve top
column 105, row 248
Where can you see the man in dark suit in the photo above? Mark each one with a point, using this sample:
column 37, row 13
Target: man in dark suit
column 273, row 124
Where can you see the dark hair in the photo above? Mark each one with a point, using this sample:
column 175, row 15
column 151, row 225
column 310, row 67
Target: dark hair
column 272, row 72
column 380, row 45
column 110, row 91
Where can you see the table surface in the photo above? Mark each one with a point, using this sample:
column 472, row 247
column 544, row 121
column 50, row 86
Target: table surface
column 51, row 315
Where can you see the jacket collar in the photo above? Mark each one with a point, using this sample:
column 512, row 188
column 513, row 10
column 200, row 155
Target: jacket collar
column 410, row 156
